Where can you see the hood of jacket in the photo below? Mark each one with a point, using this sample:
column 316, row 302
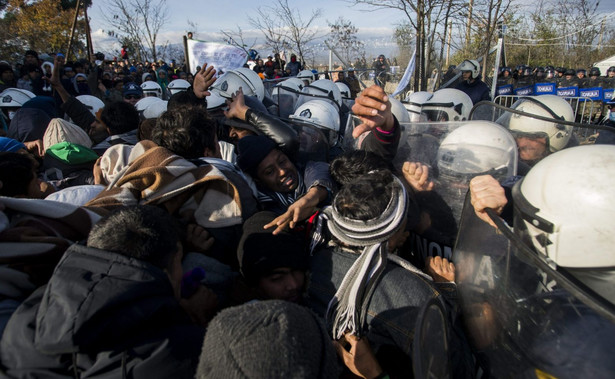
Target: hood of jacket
column 96, row 300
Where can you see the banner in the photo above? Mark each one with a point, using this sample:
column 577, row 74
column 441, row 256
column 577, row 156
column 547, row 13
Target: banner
column 504, row 90
column 544, row 88
column 608, row 94
column 524, row 91
column 594, row 93
column 403, row 83
column 222, row 56
column 568, row 91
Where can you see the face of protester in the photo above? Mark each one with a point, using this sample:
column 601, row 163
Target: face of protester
column 132, row 99
column 7, row 76
column 30, row 59
column 399, row 237
column 277, row 172
column 283, row 283
column 532, row 149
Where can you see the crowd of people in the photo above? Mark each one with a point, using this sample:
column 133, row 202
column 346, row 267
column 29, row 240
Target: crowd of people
column 157, row 223
column 523, row 76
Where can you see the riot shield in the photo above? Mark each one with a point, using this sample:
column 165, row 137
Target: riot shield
column 420, row 142
column 533, row 146
column 522, row 316
column 430, row 349
column 285, row 100
column 313, row 144
column 315, row 93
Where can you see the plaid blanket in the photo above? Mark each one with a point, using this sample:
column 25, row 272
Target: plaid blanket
column 155, row 176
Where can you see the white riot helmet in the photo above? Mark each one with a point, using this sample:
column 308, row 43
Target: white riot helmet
column 15, row 97
column 322, row 89
column 307, row 75
column 550, row 106
column 563, row 210
column 155, row 109
column 321, row 114
column 448, row 104
column 229, row 83
column 151, row 89
column 346, row 94
column 144, row 103
column 92, row 103
column 470, row 65
column 414, row 104
column 398, row 110
column 478, row 148
column 178, row 85
column 215, row 101
column 344, row 90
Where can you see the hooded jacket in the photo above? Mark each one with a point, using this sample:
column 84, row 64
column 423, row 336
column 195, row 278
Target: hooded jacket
column 101, row 315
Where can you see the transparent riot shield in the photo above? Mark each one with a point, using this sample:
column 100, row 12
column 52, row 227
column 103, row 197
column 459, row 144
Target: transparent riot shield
column 315, row 93
column 313, row 144
column 420, row 143
column 537, row 135
column 430, row 349
column 284, row 99
column 523, row 317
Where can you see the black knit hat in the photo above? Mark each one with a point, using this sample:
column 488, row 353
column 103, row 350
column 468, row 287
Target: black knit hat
column 260, row 252
column 267, row 339
column 252, row 151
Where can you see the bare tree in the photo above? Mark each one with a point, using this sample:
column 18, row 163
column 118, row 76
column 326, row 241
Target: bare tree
column 283, row 27
column 344, row 37
column 271, row 27
column 566, row 33
column 139, row 21
column 428, row 19
column 236, row 38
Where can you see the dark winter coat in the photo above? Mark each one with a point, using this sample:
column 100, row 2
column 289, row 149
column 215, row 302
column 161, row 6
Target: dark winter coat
column 477, row 90
column 102, row 314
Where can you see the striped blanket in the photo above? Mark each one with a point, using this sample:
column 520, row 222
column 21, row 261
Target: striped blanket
column 31, row 228
column 155, row 176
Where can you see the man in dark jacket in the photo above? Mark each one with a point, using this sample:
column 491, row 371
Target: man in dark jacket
column 471, row 83
column 112, row 307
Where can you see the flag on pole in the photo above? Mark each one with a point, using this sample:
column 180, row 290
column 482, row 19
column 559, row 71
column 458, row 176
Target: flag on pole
column 403, row 83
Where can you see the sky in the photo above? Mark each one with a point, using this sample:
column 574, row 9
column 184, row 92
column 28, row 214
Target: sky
column 213, row 16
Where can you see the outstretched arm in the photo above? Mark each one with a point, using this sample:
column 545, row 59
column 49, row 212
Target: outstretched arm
column 203, row 80
column 55, row 79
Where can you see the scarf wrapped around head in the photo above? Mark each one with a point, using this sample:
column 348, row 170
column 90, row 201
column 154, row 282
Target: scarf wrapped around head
column 347, row 309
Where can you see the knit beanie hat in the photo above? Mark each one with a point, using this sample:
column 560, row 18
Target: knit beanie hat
column 60, row 130
column 252, row 151
column 267, row 339
column 260, row 252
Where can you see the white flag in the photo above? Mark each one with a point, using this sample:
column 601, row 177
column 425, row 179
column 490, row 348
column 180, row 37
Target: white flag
column 407, row 75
